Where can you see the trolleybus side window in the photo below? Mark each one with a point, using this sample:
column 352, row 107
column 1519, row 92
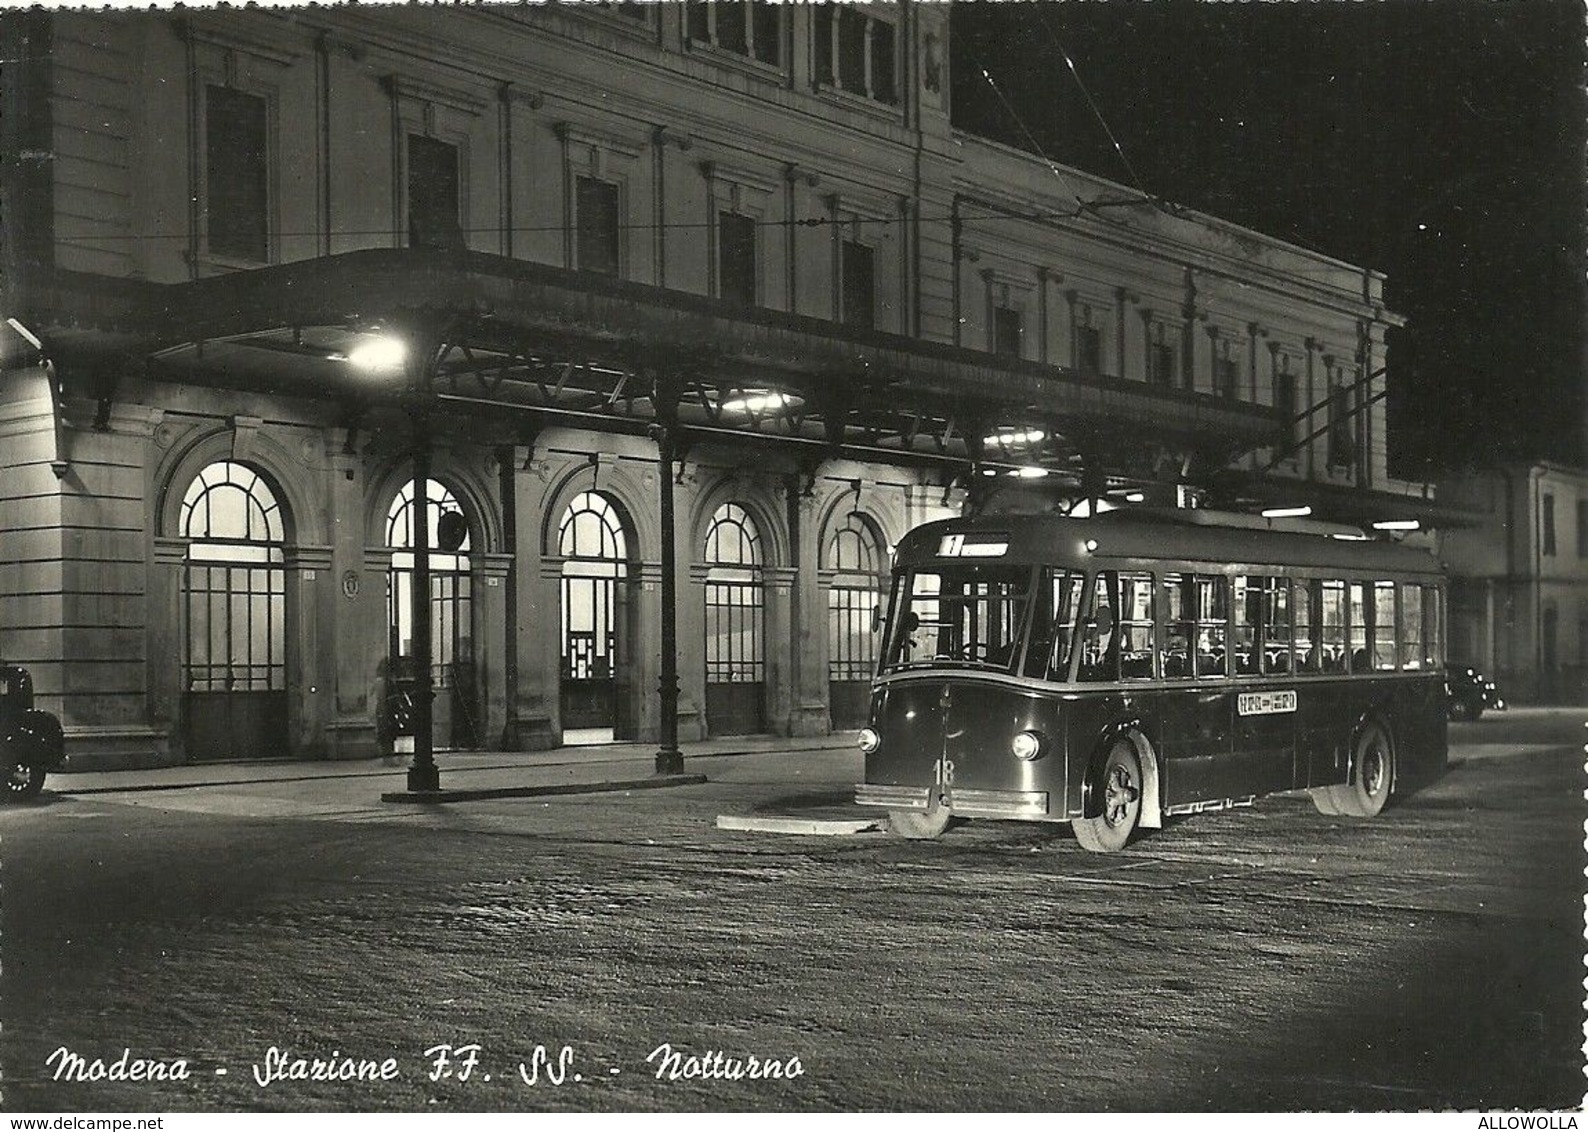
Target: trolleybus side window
column 1245, row 619
column 1136, row 626
column 1278, row 630
column 1053, row 625
column 1309, row 658
column 1332, row 639
column 1099, row 643
column 1118, row 638
column 1433, row 628
column 1384, row 622
column 1411, row 627
column 1357, row 619
column 1196, row 619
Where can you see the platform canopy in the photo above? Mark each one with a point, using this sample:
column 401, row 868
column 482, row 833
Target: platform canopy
column 503, row 340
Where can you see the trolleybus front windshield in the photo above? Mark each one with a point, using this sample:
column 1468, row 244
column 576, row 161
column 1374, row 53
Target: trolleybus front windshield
column 973, row 615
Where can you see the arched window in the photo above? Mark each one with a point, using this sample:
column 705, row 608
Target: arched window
column 854, row 548
column 451, row 611
column 400, row 528
column 229, row 505
column 733, row 540
column 590, row 530
column 735, row 659
column 234, row 582
column 857, row 563
column 591, row 541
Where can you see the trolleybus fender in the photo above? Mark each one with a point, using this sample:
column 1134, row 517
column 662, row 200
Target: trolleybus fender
column 1133, row 731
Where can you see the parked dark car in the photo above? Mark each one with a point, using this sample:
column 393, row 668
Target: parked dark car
column 31, row 743
column 1468, row 693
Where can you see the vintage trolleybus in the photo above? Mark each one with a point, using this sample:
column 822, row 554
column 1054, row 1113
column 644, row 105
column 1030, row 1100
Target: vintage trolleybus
column 1114, row 671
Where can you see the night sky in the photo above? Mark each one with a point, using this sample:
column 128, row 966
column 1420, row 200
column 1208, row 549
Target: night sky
column 1440, row 143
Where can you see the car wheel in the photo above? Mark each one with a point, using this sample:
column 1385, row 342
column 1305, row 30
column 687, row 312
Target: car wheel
column 24, row 780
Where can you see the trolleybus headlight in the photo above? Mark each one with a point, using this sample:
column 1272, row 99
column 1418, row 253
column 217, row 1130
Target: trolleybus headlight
column 1026, row 746
column 869, row 740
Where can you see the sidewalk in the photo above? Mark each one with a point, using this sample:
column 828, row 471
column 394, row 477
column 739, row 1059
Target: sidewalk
column 585, row 765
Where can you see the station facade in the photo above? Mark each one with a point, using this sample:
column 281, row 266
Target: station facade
column 741, row 248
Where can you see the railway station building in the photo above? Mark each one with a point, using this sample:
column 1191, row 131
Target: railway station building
column 708, row 301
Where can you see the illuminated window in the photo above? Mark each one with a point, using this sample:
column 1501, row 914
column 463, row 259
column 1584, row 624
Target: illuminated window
column 235, row 581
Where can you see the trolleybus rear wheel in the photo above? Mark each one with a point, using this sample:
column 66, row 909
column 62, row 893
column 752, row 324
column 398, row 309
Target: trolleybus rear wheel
column 1373, row 773
column 1119, row 784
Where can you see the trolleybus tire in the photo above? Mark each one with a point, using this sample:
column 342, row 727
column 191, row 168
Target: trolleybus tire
column 918, row 825
column 1120, row 784
column 1373, row 774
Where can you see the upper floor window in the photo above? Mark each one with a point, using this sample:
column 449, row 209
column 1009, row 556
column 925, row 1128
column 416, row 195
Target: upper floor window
column 858, row 300
column 236, row 139
column 1007, row 331
column 1160, row 363
column 736, row 268
column 433, row 196
column 596, row 221
column 1582, row 528
column 1548, row 521
column 1225, row 377
column 1342, row 439
column 1285, row 405
column 1088, row 349
column 746, row 27
column 639, row 13
column 856, row 51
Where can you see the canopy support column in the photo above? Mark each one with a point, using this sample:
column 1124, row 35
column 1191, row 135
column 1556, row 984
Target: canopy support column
column 669, row 759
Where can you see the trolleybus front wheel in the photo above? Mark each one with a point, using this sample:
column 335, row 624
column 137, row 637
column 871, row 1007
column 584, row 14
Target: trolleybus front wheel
column 918, row 825
column 1373, row 775
column 1119, row 784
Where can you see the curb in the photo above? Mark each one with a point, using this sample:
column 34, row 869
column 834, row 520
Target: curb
column 61, row 783
column 652, row 783
column 810, row 827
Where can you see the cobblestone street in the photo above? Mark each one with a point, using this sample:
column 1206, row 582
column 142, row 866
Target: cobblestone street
column 1268, row 958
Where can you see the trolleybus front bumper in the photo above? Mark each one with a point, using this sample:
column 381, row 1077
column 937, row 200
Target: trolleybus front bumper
column 961, row 803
